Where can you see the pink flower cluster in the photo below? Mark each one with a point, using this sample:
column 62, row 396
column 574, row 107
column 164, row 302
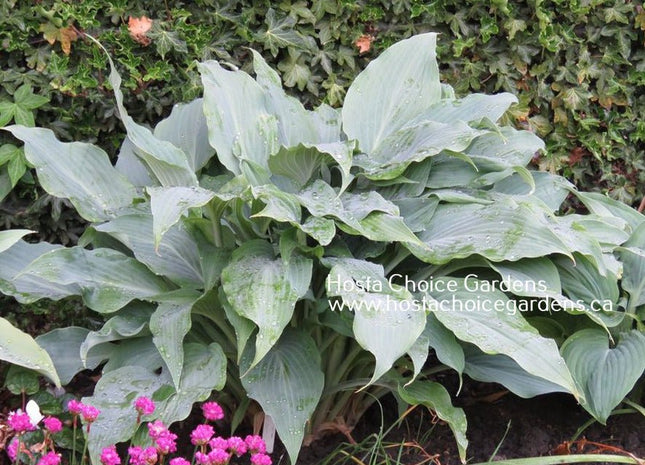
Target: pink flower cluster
column 20, row 423
column 88, row 412
column 213, row 450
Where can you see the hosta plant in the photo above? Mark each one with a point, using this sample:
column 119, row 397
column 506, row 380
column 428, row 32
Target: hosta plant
column 310, row 259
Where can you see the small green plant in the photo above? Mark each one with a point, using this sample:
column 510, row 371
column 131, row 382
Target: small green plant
column 310, row 260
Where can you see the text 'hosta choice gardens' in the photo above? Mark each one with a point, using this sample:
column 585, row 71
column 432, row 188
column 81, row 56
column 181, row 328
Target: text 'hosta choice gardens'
column 293, row 257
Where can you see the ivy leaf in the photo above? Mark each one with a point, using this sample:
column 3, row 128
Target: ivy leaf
column 16, row 168
column 165, row 41
column 8, row 152
column 280, row 34
column 21, row 109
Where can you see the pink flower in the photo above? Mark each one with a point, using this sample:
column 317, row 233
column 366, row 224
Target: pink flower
column 144, row 405
column 20, row 422
column 260, row 459
column 109, row 456
column 156, row 429
column 237, row 445
column 140, row 456
column 75, row 407
column 90, row 413
column 218, row 443
column 50, row 458
column 202, row 458
column 201, row 435
column 52, row 424
column 255, row 444
column 212, row 411
column 178, row 461
column 218, row 457
column 166, row 444
column 12, row 449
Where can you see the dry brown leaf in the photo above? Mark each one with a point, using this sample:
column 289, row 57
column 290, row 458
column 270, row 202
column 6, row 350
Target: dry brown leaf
column 64, row 35
column 364, row 43
column 138, row 27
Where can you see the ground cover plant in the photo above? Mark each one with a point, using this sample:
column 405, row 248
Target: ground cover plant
column 294, row 256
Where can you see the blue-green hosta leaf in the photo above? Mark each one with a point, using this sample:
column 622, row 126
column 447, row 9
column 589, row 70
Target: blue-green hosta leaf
column 280, row 206
column 20, row 348
column 9, row 238
column 77, row 171
column 414, row 144
column 606, row 375
column 416, row 211
column 504, row 370
column 604, row 206
column 64, row 348
column 321, row 229
column 448, row 350
column 549, row 188
column 186, row 129
column 169, row 325
column 473, row 108
column 114, row 394
column 435, row 397
column 300, row 162
column 632, row 255
column 393, row 89
column 486, row 318
column 609, row 232
column 25, row 288
column 168, row 204
column 177, row 257
column 239, row 123
column 168, row 163
column 387, row 318
column 287, row 384
column 132, row 167
column 296, row 124
column 504, row 230
column 130, row 322
column 583, row 284
column 107, row 280
column 507, row 148
column 258, row 288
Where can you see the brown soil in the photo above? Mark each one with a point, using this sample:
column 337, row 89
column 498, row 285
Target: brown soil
column 540, row 426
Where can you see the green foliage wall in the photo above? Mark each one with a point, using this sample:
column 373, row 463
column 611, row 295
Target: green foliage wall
column 576, row 66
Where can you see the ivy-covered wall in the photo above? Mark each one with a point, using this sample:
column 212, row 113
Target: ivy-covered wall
column 577, row 66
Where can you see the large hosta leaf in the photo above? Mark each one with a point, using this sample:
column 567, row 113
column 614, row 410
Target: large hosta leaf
column 169, row 325
column 64, row 347
column 260, row 288
column 186, row 129
column 387, row 318
column 114, row 394
column 107, row 280
column 473, row 107
column 239, row 124
column 9, row 238
column 167, row 162
column 295, row 123
column 77, row 171
column 435, row 397
column 486, row 318
column 20, row 348
column 168, row 204
column 27, row 288
column 176, row 257
column 287, row 383
column 632, row 254
column 605, row 374
column 393, row 89
column 504, row 370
